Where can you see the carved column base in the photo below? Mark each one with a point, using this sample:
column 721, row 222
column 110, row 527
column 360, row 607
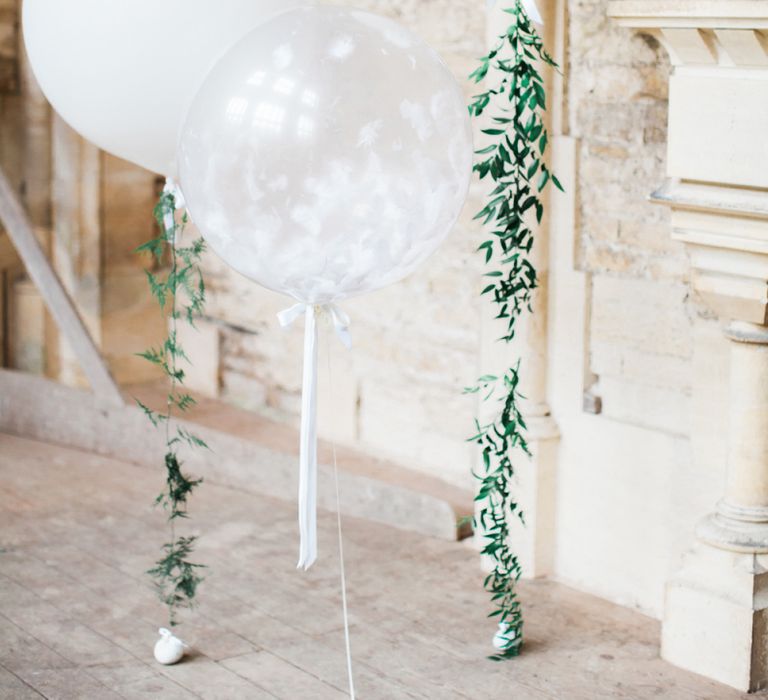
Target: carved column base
column 736, row 528
column 716, row 617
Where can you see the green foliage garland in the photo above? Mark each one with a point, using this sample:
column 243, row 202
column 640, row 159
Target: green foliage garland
column 175, row 576
column 515, row 163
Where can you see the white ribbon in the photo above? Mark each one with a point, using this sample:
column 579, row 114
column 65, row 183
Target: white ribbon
column 530, row 8
column 308, row 440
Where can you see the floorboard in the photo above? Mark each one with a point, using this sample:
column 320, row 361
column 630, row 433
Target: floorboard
column 78, row 618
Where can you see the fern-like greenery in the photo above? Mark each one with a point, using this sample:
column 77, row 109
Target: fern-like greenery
column 515, row 163
column 175, row 576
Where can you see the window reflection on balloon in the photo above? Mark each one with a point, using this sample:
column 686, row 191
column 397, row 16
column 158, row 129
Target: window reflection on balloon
column 268, row 117
column 236, row 109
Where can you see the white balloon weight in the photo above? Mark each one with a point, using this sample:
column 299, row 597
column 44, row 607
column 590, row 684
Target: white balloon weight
column 327, row 154
column 123, row 72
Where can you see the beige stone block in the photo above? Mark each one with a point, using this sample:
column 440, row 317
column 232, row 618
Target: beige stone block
column 654, row 407
column 643, row 314
column 267, row 354
column 649, row 236
column 245, row 392
column 598, row 257
column 131, row 322
column 28, row 328
column 690, row 45
column 614, row 496
column 421, row 430
column 8, row 34
column 595, row 38
column 12, row 121
column 129, row 195
column 648, row 368
column 669, row 267
column 9, row 49
column 745, row 47
column 715, row 618
column 709, row 139
column 606, row 358
column 201, row 344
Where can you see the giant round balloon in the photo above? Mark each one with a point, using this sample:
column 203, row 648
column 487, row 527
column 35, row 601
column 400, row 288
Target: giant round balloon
column 327, row 154
column 123, row 72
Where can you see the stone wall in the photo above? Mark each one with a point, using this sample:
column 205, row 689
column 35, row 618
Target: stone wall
column 90, row 211
column 641, row 324
column 634, row 479
column 9, row 87
column 633, row 471
column 398, row 393
column 9, row 64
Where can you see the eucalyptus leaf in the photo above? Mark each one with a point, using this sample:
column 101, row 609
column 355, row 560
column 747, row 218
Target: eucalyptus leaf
column 516, row 96
column 176, row 578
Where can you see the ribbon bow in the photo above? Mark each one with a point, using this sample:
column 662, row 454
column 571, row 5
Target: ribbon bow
column 172, row 187
column 308, row 440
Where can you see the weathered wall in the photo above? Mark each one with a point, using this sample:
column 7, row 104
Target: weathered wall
column 11, row 158
column 630, row 479
column 91, row 211
column 9, row 65
column 641, row 326
column 10, row 121
column 634, row 478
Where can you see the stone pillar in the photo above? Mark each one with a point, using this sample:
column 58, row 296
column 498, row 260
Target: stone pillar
column 740, row 523
column 715, row 620
column 716, row 615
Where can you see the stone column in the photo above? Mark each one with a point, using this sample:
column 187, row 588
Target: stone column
column 740, row 522
column 715, row 620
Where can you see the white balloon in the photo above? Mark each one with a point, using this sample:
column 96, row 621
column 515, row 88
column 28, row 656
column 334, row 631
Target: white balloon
column 327, row 154
column 123, row 72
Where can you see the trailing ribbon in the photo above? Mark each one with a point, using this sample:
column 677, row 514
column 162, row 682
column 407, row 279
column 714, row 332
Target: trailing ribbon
column 308, row 440
column 530, row 8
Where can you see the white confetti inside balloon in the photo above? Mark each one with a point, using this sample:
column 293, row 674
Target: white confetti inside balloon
column 327, row 154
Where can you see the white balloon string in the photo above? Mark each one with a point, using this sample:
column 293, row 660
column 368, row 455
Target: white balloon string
column 308, row 437
column 342, row 568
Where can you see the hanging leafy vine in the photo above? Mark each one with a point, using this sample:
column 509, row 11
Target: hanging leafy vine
column 175, row 576
column 515, row 163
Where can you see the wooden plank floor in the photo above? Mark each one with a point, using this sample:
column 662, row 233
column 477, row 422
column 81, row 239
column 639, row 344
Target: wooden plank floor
column 78, row 618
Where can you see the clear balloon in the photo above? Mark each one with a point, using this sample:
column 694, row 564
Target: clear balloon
column 123, row 72
column 327, row 154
